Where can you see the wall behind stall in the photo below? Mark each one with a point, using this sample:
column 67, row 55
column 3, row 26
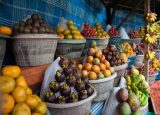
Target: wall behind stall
column 79, row 11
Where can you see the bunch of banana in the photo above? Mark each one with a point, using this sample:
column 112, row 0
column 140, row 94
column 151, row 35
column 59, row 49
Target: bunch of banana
column 151, row 38
column 151, row 17
column 155, row 64
column 152, row 28
column 142, row 32
column 150, row 55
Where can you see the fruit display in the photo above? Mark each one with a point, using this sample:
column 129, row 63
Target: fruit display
column 151, row 17
column 88, row 31
column 35, row 24
column 70, row 33
column 5, row 30
column 155, row 64
column 128, row 49
column 17, row 96
column 134, row 34
column 151, row 70
column 128, row 103
column 113, row 56
column 100, row 31
column 113, row 32
column 142, row 32
column 138, row 88
column 69, row 85
column 96, row 66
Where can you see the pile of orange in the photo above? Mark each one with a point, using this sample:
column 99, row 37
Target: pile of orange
column 96, row 66
column 17, row 97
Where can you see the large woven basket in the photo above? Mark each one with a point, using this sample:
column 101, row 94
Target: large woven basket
column 2, row 48
column 120, row 70
column 101, row 43
column 77, row 108
column 34, row 49
column 103, row 87
column 70, row 48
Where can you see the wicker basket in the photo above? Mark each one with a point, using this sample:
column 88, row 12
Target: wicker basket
column 34, row 49
column 103, row 87
column 70, row 48
column 120, row 70
column 2, row 48
column 78, row 108
column 101, row 43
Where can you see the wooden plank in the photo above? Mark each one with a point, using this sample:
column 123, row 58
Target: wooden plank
column 132, row 11
column 146, row 61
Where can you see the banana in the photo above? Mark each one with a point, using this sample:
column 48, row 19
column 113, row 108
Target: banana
column 150, row 55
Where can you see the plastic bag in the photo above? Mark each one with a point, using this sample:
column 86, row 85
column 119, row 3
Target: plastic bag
column 108, row 27
column 62, row 23
column 123, row 33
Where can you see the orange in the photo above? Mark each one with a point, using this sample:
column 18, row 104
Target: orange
column 87, row 66
column 92, row 75
column 32, row 101
column 8, row 103
column 90, row 59
column 20, row 81
column 84, row 73
column 98, row 54
column 5, row 30
column 19, row 94
column 80, row 66
column 38, row 98
column 11, row 71
column 102, row 66
column 21, row 109
column 29, row 91
column 96, row 69
column 7, row 84
column 107, row 73
column 41, row 108
column 107, row 64
column 96, row 49
column 69, row 22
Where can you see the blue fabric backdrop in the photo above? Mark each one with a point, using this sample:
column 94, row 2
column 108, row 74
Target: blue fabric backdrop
column 79, row 11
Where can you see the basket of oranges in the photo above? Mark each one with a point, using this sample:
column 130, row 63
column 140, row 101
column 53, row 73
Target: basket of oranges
column 99, row 72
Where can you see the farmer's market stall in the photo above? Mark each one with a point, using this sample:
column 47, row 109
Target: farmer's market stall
column 81, row 66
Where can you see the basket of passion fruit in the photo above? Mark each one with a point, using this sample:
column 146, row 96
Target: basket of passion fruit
column 71, row 42
column 116, row 61
column 97, row 34
column 65, row 90
column 99, row 72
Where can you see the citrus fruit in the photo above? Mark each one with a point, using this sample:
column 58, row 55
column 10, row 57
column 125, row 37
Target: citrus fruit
column 96, row 68
column 38, row 98
column 41, row 108
column 8, row 103
column 19, row 94
column 21, row 109
column 107, row 73
column 107, row 64
column 20, row 81
column 90, row 59
column 11, row 71
column 32, row 101
column 92, row 75
column 87, row 66
column 29, row 91
column 7, row 84
column 102, row 66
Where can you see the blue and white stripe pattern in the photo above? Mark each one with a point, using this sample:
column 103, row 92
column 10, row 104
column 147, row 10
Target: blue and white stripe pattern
column 97, row 108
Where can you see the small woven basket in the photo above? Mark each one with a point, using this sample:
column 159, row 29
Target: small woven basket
column 77, row 108
column 34, row 49
column 103, row 87
column 120, row 70
column 2, row 48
